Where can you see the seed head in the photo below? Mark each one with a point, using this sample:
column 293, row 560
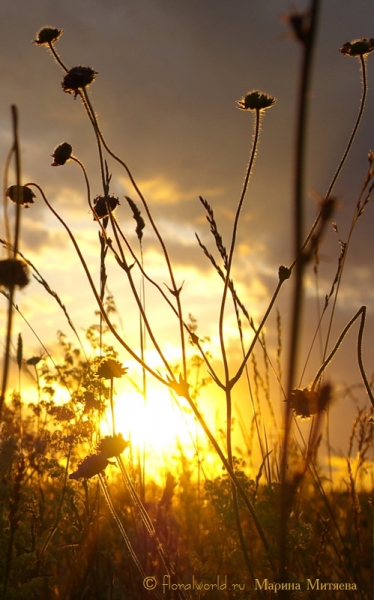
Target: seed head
column 76, row 78
column 256, row 100
column 92, row 465
column 13, row 272
column 359, row 47
column 304, row 402
column 284, row 273
column 101, row 206
column 47, row 35
column 20, row 194
column 111, row 368
column 61, row 154
column 112, row 445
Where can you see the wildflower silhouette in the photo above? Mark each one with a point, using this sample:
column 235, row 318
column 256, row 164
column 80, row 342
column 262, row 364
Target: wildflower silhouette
column 47, row 36
column 256, row 100
column 359, row 47
column 92, row 465
column 13, row 272
column 112, row 445
column 110, row 368
column 102, row 204
column 20, row 194
column 77, row 78
column 61, row 154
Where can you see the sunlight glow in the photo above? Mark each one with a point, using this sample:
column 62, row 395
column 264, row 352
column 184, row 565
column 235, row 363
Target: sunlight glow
column 156, row 427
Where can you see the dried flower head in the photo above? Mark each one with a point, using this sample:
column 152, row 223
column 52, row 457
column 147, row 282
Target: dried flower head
column 284, row 273
column 359, row 47
column 61, row 154
column 256, row 100
column 13, row 272
column 76, row 78
column 20, row 194
column 101, row 205
column 92, row 465
column 47, row 35
column 304, row 402
column 111, row 368
column 112, row 445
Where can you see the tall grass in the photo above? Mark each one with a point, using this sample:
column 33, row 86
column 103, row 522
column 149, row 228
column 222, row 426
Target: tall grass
column 69, row 530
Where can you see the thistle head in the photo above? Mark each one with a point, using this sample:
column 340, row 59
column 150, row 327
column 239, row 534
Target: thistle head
column 360, row 47
column 92, row 465
column 256, row 100
column 77, row 78
column 112, row 445
column 104, row 205
column 61, row 154
column 111, row 368
column 47, row 35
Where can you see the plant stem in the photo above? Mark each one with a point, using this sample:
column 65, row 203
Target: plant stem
column 8, row 337
column 300, row 164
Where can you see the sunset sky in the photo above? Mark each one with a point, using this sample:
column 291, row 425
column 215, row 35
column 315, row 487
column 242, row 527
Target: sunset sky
column 169, row 76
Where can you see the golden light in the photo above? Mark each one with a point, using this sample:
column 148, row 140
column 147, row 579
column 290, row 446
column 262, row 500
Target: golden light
column 158, row 426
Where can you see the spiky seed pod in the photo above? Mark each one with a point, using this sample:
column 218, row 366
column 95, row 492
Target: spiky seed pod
column 47, row 35
column 256, row 100
column 359, row 47
column 101, row 205
column 76, row 78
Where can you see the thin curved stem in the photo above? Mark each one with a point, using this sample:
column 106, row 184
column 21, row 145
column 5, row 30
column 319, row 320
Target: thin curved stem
column 56, row 56
column 345, row 155
column 97, row 297
column 361, row 312
column 176, row 291
column 233, row 242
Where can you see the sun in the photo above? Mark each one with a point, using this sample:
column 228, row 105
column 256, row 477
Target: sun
column 157, row 425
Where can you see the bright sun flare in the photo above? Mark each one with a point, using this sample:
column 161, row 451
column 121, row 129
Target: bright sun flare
column 157, row 425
